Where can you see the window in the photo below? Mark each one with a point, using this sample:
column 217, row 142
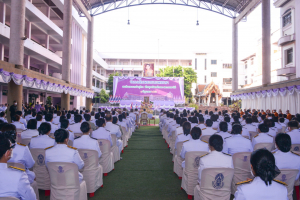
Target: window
column 195, row 63
column 205, row 64
column 246, row 65
column 214, row 74
column 42, row 71
column 252, row 61
column 287, row 18
column 205, row 79
column 289, row 56
column 93, row 82
column 227, row 66
column 227, row 90
column 125, row 75
column 213, row 62
column 227, row 81
column 136, row 75
column 34, row 69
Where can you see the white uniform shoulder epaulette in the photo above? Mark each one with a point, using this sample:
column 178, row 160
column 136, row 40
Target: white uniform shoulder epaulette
column 204, row 155
column 71, row 131
column 243, row 182
column 34, row 136
column 51, row 137
column 226, row 154
column 20, row 122
column 295, row 153
column 281, row 182
column 228, row 137
column 49, row 147
column 21, row 144
column 204, row 141
column 72, row 147
column 185, row 141
column 180, row 134
column 256, row 136
column 23, row 170
column 203, row 128
column 270, row 135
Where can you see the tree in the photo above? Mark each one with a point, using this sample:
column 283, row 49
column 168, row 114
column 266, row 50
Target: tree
column 110, row 82
column 104, row 97
column 190, row 76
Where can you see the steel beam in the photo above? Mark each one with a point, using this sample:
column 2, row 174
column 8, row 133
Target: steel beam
column 251, row 6
column 83, row 9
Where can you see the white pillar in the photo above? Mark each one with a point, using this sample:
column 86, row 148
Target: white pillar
column 27, row 96
column 208, row 100
column 28, row 30
column 217, row 100
column 297, row 45
column 2, row 12
column 2, row 52
column 48, row 12
column 266, row 42
column 27, row 62
column 235, row 62
column 46, row 69
column 47, row 41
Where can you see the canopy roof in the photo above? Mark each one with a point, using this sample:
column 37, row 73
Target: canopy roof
column 206, row 90
column 229, row 8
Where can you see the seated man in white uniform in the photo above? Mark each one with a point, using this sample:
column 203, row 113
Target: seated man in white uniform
column 262, row 136
column 31, row 129
column 294, row 132
column 194, row 144
column 39, row 119
column 119, row 135
column 237, row 143
column 14, row 181
column 2, row 117
column 43, row 140
column 132, row 114
column 85, row 141
column 49, row 119
column 75, row 128
column 216, row 158
column 201, row 124
column 249, row 125
column 56, row 120
column 63, row 153
column 17, row 123
column 22, row 120
column 101, row 132
column 264, row 186
column 208, row 130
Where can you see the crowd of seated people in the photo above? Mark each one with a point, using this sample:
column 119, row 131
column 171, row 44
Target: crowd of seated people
column 61, row 135
column 261, row 150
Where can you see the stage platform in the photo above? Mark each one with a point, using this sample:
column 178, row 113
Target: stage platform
column 156, row 104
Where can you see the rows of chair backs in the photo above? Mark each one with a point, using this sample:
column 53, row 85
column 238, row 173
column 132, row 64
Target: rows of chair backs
column 106, row 160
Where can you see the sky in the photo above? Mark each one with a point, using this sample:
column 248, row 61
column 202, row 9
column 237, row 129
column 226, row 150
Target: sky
column 171, row 29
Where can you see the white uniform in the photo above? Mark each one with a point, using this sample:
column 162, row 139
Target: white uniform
column 38, row 124
column 53, row 127
column 278, row 126
column 229, row 126
column 3, row 119
column 295, row 136
column 56, row 120
column 23, row 121
column 75, row 128
column 28, row 117
column 21, row 154
column 258, row 190
column 14, row 183
column 288, row 160
column 224, row 135
column 29, row 133
column 208, row 131
column 181, row 137
column 215, row 125
column 272, row 131
column 41, row 142
column 214, row 159
column 115, row 129
column 179, row 130
column 262, row 138
column 64, row 153
column 102, row 133
column 250, row 127
column 245, row 132
column 201, row 126
column 193, row 145
column 86, row 142
column 237, row 143
column 19, row 125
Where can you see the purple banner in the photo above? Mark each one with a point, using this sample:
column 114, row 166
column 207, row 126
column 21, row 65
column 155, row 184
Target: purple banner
column 157, row 88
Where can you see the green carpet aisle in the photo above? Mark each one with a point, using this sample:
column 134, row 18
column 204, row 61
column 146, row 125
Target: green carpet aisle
column 145, row 173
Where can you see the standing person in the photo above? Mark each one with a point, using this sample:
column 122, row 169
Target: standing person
column 264, row 185
column 13, row 109
column 37, row 107
column 12, row 176
column 42, row 107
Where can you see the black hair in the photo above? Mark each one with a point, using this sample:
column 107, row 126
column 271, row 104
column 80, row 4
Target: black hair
column 283, row 142
column 263, row 163
column 108, row 117
column 186, row 126
column 77, row 118
column 223, row 126
column 10, row 131
column 216, row 141
column 100, row 122
column 182, row 121
column 61, row 135
column 184, row 114
column 64, row 123
column 209, row 123
column 178, row 119
column 32, row 124
column 263, row 128
column 39, row 117
column 254, row 119
column 195, row 120
column 87, row 117
column 293, row 124
column 201, row 119
column 61, row 118
column 16, row 118
column 48, row 117
column 4, row 145
column 227, row 119
column 281, row 120
column 196, row 133
column 2, row 114
column 115, row 119
column 248, row 120
column 236, row 129
column 85, row 127
column 44, row 128
column 68, row 116
column 120, row 118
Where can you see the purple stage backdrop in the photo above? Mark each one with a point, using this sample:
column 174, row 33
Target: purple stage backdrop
column 157, row 88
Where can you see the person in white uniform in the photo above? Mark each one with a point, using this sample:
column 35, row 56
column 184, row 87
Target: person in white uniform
column 14, row 181
column 22, row 120
column 119, row 139
column 262, row 136
column 31, row 130
column 49, row 119
column 185, row 136
column 180, row 129
column 21, row 153
column 2, row 117
column 101, row 132
column 85, row 141
column 216, row 158
column 113, row 129
column 75, row 128
column 201, row 124
column 223, row 127
column 61, row 152
column 39, row 119
column 263, row 186
column 43, row 140
column 194, row 144
column 237, row 143
column 208, row 130
column 56, row 120
column 249, row 126
column 227, row 120
column 294, row 132
column 17, row 123
column 284, row 158
column 64, row 124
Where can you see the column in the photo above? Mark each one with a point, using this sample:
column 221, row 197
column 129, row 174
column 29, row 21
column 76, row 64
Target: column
column 2, row 52
column 46, row 69
column 89, row 65
column 297, row 45
column 66, row 58
column 266, row 42
column 16, row 49
column 227, row 101
column 28, row 30
column 48, row 12
column 47, row 41
column 208, row 100
column 235, row 63
column 27, row 62
column 217, row 100
column 2, row 12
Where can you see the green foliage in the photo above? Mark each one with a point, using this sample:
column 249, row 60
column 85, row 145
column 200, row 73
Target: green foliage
column 110, row 82
column 104, row 97
column 190, row 76
column 194, row 106
column 49, row 100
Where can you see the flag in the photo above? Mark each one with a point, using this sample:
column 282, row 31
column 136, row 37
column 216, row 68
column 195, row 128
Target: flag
column 114, row 70
column 110, row 99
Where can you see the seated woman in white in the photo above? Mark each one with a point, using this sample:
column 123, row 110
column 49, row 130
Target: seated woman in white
column 43, row 140
column 64, row 124
column 63, row 153
column 39, row 119
column 101, row 132
column 185, row 136
column 21, row 153
column 17, row 123
column 31, row 130
column 263, row 186
column 85, row 141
